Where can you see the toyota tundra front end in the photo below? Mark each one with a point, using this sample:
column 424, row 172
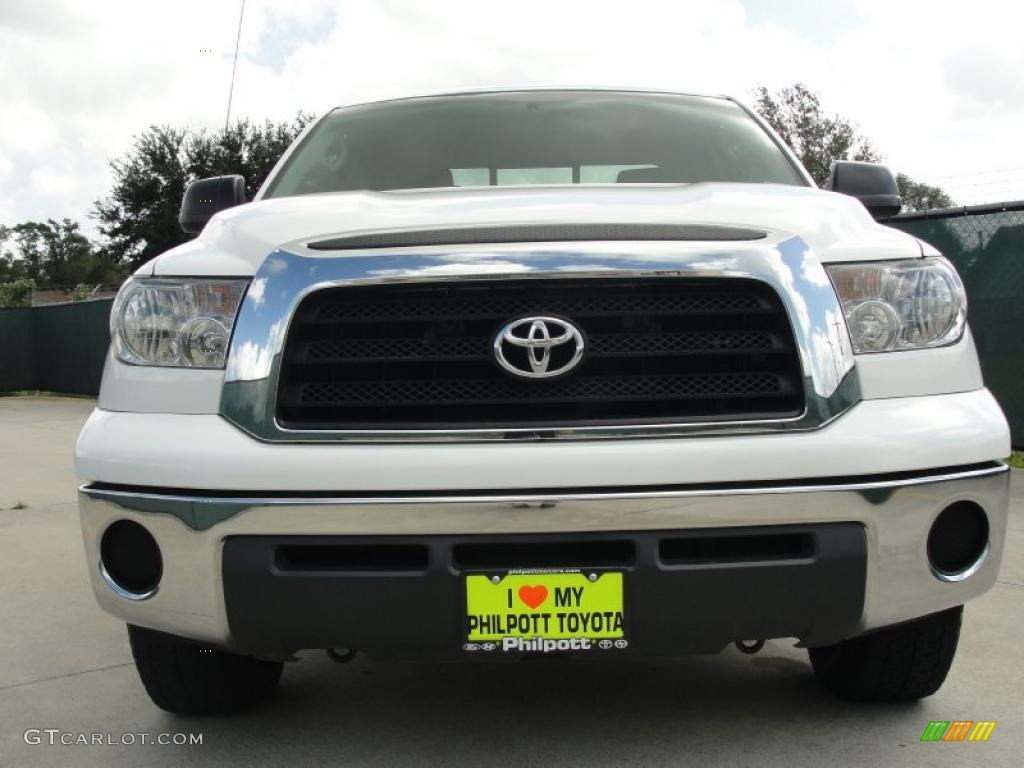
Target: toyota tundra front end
column 591, row 373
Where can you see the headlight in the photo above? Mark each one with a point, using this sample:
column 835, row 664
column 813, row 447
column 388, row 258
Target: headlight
column 175, row 322
column 892, row 305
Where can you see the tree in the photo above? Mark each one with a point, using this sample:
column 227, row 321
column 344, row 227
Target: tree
column 54, row 254
column 11, row 268
column 140, row 215
column 918, row 196
column 819, row 139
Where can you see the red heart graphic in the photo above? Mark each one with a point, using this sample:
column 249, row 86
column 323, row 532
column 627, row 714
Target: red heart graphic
column 533, row 596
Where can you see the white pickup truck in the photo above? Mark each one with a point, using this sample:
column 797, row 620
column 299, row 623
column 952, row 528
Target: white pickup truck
column 487, row 375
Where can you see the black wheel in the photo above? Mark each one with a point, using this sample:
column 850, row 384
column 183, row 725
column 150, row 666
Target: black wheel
column 900, row 663
column 189, row 678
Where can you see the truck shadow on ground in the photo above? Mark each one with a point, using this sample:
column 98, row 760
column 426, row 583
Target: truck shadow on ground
column 546, row 711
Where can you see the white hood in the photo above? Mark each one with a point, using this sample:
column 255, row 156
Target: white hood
column 236, row 241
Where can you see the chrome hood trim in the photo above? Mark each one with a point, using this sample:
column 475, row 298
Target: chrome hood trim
column 786, row 263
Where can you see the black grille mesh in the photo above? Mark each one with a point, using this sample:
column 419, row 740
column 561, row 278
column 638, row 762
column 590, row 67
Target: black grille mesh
column 419, row 356
column 417, row 307
column 466, row 391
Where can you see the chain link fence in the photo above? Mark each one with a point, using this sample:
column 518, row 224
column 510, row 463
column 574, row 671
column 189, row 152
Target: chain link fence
column 986, row 243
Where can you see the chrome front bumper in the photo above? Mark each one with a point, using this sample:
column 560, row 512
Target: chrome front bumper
column 896, row 512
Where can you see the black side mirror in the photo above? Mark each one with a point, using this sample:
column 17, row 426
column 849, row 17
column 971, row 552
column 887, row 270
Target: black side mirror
column 205, row 197
column 872, row 184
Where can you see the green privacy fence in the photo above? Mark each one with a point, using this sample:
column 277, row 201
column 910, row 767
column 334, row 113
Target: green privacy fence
column 986, row 243
column 57, row 348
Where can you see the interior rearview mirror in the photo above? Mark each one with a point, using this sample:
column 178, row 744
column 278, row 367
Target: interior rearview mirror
column 872, row 184
column 205, row 197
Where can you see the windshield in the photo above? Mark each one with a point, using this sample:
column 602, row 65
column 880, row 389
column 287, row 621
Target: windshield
column 530, row 137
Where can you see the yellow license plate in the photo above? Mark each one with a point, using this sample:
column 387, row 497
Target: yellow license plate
column 524, row 611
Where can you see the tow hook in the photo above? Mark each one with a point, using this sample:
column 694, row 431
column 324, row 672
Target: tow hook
column 341, row 655
column 749, row 647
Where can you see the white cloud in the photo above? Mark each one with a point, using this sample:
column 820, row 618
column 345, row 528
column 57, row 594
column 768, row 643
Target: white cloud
column 940, row 93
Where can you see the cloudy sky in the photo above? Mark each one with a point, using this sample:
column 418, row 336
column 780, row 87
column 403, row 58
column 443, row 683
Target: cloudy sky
column 938, row 87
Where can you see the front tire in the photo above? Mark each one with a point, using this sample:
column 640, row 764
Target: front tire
column 189, row 678
column 900, row 663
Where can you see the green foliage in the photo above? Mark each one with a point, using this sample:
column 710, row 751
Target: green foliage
column 83, row 292
column 1016, row 460
column 140, row 215
column 55, row 254
column 17, row 293
column 918, row 196
column 137, row 217
column 819, row 139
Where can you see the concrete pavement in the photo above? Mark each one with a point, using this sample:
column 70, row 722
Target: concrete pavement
column 65, row 665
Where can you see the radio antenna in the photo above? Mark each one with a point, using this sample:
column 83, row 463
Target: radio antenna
column 234, row 66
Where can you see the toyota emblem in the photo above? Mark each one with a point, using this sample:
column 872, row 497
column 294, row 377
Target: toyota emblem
column 539, row 347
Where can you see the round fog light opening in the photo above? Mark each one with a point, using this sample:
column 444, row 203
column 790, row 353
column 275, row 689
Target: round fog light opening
column 131, row 559
column 958, row 538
